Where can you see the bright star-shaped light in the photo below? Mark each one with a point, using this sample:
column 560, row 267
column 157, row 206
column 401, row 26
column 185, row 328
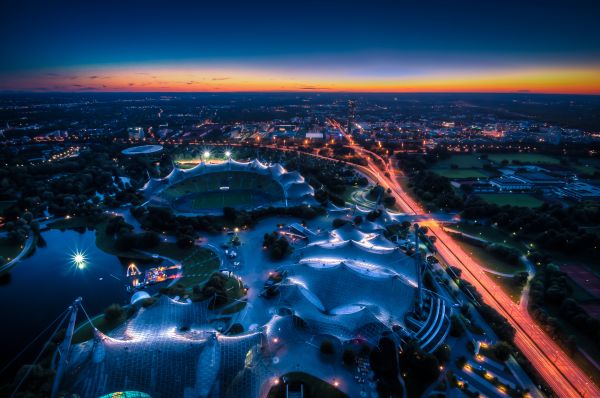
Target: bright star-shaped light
column 227, row 153
column 206, row 154
column 78, row 258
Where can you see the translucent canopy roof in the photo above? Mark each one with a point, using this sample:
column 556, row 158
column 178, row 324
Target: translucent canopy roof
column 292, row 183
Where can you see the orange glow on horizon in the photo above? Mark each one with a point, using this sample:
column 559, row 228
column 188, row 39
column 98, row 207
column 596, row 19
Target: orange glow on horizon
column 567, row 80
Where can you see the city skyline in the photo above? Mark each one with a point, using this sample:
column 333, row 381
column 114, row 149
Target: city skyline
column 548, row 47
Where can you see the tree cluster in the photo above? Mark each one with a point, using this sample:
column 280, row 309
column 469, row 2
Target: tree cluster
column 550, row 291
column 277, row 245
column 552, row 227
column 67, row 187
column 162, row 219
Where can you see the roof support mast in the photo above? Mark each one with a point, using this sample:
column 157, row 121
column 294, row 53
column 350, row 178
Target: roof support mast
column 419, row 266
column 65, row 347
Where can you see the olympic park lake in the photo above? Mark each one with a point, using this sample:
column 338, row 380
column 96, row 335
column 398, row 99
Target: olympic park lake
column 42, row 286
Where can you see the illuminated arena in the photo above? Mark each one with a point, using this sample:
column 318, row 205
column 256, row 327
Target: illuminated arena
column 348, row 285
column 207, row 187
column 142, row 150
column 358, row 285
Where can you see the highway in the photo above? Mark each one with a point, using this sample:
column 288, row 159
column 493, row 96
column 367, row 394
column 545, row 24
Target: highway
column 554, row 365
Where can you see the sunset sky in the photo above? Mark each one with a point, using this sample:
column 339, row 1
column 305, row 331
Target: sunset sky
column 379, row 46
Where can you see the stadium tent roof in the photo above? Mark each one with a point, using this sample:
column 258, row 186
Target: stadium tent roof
column 382, row 257
column 370, row 226
column 293, row 184
column 378, row 243
column 340, row 299
column 348, row 233
column 153, row 354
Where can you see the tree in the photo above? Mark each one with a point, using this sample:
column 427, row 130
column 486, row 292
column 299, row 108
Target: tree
column 147, row 240
column 229, row 213
column 338, row 222
column 572, row 344
column 113, row 313
column 373, row 215
column 456, row 327
column 349, row 357
column 236, row 328
column 185, row 242
column 125, row 242
column 327, row 347
column 502, row 351
column 443, row 353
column 278, row 246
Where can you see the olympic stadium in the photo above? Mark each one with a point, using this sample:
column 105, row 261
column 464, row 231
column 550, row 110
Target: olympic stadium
column 346, row 285
column 208, row 187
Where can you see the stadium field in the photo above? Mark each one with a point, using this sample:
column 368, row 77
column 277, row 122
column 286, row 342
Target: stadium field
column 224, row 189
column 512, row 199
column 460, row 173
column 524, row 158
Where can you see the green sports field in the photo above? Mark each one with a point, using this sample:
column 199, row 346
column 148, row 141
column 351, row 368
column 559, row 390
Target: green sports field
column 214, row 200
column 460, row 173
column 524, row 158
column 223, row 189
column 463, row 161
column 461, row 167
column 512, row 199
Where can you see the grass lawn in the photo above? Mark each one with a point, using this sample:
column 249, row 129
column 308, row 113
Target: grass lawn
column 214, row 200
column 465, row 161
column 198, row 266
column 524, row 158
column 488, row 260
column 243, row 189
column 469, row 166
column 106, row 243
column 235, row 291
column 235, row 180
column 513, row 199
column 84, row 331
column 513, row 291
column 490, row 234
column 585, row 168
column 580, row 294
column 172, row 250
column 8, row 250
column 313, row 387
column 460, row 173
column 186, row 164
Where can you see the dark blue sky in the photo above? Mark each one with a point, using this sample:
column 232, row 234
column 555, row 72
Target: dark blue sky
column 43, row 35
column 48, row 33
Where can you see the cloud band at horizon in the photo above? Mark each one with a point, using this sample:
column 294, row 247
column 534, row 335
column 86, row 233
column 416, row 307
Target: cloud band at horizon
column 180, row 77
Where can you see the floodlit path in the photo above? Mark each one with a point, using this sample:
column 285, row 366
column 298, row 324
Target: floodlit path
column 559, row 371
